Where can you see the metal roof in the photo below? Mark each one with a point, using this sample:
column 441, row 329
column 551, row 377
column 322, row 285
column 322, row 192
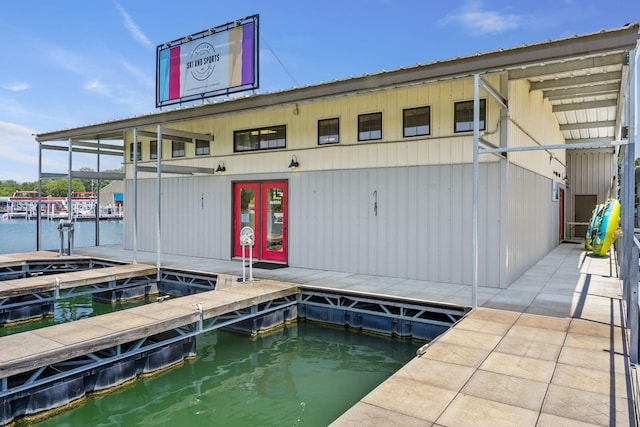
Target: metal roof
column 586, row 94
column 584, row 78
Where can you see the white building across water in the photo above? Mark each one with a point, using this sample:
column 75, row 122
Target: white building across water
column 466, row 170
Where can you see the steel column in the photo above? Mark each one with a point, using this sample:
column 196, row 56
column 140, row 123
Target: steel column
column 135, row 197
column 476, row 168
column 631, row 266
column 159, row 188
column 69, row 184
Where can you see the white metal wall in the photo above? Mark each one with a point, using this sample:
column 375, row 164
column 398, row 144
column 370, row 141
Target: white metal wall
column 533, row 228
column 589, row 172
column 422, row 229
column 196, row 216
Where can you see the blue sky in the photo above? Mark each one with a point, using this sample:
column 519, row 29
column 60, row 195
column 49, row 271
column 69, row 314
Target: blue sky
column 69, row 63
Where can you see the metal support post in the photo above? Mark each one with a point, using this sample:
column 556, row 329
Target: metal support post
column 135, row 199
column 474, row 224
column 159, row 195
column 632, row 308
column 631, row 276
column 198, row 307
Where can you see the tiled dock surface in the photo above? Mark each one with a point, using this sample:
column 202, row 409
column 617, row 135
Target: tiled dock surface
column 547, row 351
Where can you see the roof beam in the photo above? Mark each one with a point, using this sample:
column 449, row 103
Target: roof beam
column 568, row 82
column 602, row 89
column 148, row 134
column 81, row 150
column 588, row 125
column 44, row 175
column 186, row 134
column 97, row 145
column 589, row 141
column 114, row 176
column 494, row 93
column 176, row 135
column 608, row 144
column 584, row 105
column 566, row 66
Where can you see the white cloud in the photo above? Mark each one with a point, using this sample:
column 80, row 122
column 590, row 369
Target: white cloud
column 479, row 21
column 19, row 150
column 133, row 28
column 67, row 60
column 19, row 153
column 16, row 87
column 97, row 86
column 140, row 75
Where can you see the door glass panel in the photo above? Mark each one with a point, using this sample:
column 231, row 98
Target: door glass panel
column 275, row 219
column 247, row 208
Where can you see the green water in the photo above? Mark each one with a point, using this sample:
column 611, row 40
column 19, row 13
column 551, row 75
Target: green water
column 302, row 375
column 68, row 310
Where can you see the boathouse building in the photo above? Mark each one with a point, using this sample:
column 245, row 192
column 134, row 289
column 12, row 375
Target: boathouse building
column 462, row 170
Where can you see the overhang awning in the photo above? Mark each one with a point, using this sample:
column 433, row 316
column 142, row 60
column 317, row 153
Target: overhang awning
column 586, row 93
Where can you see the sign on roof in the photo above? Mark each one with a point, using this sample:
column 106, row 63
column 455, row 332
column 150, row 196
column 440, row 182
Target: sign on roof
column 217, row 61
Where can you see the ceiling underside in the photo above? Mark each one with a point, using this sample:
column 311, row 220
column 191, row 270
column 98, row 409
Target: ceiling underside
column 586, row 94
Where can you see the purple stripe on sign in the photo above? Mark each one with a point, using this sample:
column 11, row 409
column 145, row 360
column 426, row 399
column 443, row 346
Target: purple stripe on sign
column 247, row 54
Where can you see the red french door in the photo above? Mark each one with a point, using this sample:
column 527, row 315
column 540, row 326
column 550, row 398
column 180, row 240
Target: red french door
column 263, row 207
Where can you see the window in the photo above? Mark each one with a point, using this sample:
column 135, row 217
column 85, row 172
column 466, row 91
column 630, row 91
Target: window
column 416, row 121
column 177, row 149
column 131, row 152
column 328, row 131
column 153, row 150
column 463, row 116
column 260, row 139
column 202, row 147
column 369, row 126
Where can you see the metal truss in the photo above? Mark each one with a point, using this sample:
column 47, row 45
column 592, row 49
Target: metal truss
column 198, row 282
column 57, row 293
column 53, row 266
column 427, row 313
column 201, row 282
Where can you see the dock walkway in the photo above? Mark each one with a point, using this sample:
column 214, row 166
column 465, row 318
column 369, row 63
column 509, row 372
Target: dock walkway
column 51, row 282
column 548, row 350
column 21, row 258
column 28, row 350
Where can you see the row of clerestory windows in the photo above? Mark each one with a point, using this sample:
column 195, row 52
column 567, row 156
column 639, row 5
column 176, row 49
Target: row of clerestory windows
column 415, row 122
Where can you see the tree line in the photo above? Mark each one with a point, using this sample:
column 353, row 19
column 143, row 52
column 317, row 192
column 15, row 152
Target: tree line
column 54, row 187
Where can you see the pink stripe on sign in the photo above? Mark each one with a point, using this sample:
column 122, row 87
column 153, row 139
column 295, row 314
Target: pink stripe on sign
column 174, row 73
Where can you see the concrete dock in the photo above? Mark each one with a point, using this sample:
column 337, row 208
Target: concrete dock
column 27, row 350
column 20, row 258
column 548, row 350
column 48, row 283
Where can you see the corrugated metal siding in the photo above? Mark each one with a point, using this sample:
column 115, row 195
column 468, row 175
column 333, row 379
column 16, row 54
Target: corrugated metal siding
column 442, row 146
column 589, row 172
column 533, row 228
column 422, row 229
column 534, row 114
column 196, row 216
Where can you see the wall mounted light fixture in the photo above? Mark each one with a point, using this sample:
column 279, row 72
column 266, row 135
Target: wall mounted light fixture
column 294, row 162
column 221, row 168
